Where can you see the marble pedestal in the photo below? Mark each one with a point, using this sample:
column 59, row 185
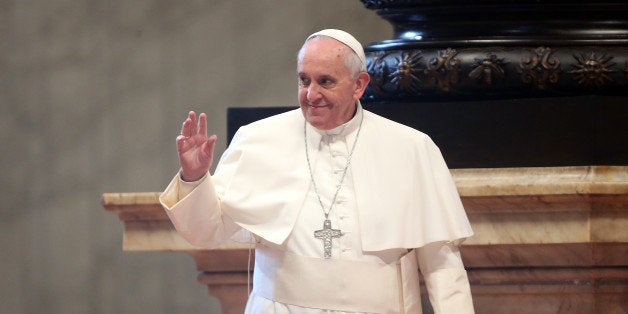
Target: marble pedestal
column 547, row 240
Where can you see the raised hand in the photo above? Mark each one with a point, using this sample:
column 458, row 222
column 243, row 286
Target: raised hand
column 196, row 150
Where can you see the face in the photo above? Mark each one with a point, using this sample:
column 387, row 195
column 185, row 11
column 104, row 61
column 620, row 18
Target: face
column 327, row 89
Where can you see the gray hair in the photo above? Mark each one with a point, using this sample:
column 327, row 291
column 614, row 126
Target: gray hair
column 352, row 60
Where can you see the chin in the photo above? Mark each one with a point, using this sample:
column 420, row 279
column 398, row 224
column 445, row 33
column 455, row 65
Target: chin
column 318, row 122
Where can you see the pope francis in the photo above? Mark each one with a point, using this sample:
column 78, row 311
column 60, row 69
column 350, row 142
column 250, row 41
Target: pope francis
column 344, row 206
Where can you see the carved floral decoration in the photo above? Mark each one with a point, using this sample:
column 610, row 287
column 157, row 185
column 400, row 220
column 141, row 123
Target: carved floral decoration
column 593, row 71
column 398, row 74
column 442, row 70
column 405, row 77
column 377, row 69
column 540, row 69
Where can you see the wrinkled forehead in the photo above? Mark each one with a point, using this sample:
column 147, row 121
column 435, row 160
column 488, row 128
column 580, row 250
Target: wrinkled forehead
column 323, row 54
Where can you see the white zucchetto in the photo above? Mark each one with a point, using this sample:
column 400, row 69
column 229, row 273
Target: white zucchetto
column 346, row 39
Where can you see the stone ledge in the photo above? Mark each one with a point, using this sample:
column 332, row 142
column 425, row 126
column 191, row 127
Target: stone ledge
column 577, row 181
column 505, row 206
column 547, row 240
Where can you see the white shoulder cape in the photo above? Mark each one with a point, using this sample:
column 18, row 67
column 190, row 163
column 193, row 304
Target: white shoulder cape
column 405, row 194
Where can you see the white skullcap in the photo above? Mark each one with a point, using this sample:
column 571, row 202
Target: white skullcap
column 346, row 39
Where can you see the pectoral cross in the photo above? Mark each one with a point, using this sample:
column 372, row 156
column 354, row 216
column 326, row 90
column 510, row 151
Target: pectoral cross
column 326, row 234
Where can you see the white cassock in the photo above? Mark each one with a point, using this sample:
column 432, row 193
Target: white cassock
column 398, row 195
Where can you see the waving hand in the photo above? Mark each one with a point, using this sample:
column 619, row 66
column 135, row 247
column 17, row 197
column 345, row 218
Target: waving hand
column 196, row 150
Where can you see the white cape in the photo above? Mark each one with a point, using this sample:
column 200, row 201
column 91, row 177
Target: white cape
column 405, row 195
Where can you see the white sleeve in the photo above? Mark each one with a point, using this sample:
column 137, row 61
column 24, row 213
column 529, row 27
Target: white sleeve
column 195, row 211
column 186, row 187
column 445, row 278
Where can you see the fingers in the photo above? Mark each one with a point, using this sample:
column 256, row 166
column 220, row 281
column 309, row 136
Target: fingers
column 196, row 150
column 211, row 143
column 181, row 143
column 208, row 149
column 190, row 126
column 194, row 134
column 202, row 124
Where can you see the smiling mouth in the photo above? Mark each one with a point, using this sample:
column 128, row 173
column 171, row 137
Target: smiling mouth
column 318, row 106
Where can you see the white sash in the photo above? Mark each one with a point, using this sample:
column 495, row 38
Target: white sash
column 343, row 285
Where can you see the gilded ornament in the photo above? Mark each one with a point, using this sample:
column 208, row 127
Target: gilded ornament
column 406, row 75
column 488, row 68
column 593, row 71
column 539, row 69
column 442, row 70
column 377, row 68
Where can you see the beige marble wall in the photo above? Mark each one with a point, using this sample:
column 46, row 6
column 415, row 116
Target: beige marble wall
column 92, row 94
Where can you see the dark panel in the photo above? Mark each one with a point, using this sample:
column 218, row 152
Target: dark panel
column 566, row 131
column 239, row 116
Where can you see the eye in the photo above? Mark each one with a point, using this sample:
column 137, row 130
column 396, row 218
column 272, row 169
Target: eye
column 326, row 81
column 304, row 81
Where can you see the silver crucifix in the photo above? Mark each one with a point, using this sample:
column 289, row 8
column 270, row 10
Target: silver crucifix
column 326, row 234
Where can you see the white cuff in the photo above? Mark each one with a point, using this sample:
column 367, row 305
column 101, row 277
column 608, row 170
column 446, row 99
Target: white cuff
column 445, row 278
column 449, row 291
column 186, row 187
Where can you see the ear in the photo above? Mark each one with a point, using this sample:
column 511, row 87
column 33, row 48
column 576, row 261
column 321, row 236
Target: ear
column 361, row 83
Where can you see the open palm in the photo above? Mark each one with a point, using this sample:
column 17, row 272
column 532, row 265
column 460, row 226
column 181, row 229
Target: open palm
column 195, row 148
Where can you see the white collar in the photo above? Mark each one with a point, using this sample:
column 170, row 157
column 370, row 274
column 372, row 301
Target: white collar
column 343, row 129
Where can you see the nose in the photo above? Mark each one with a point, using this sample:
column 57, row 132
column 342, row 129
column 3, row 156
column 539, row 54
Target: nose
column 313, row 92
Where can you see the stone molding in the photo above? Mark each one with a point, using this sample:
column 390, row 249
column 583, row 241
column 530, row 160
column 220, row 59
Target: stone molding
column 546, row 240
column 427, row 74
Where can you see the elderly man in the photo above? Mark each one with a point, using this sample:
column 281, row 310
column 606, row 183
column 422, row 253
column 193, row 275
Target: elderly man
column 344, row 206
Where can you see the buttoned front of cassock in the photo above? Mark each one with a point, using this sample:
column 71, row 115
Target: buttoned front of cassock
column 343, row 209
column 328, row 160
